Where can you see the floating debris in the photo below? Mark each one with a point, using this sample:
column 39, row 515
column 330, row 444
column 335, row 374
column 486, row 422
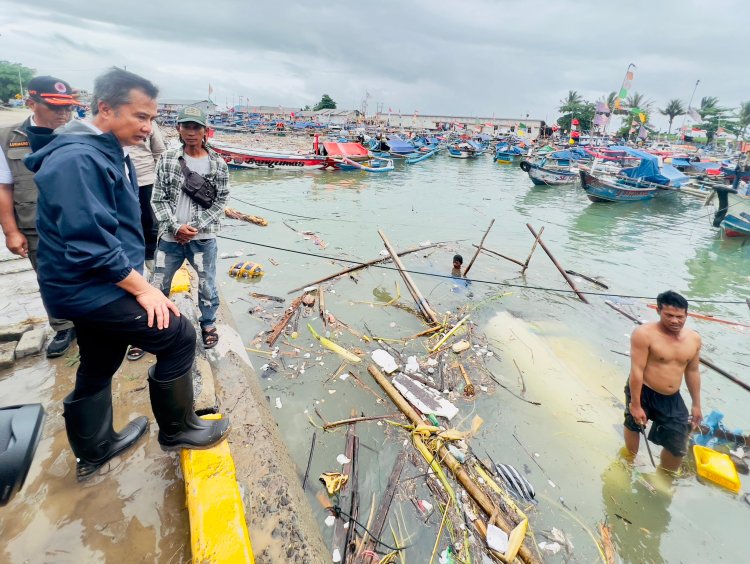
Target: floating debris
column 234, row 214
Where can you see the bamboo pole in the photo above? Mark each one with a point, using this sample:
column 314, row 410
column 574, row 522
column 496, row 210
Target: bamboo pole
column 334, row 424
column 558, row 266
column 703, row 361
column 381, row 514
column 479, row 496
column 279, row 327
column 589, row 278
column 448, row 334
column 361, row 266
column 533, row 248
column 486, row 250
column 476, row 254
column 422, row 304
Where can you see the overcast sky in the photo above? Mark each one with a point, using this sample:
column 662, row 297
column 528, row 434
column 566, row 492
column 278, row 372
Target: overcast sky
column 459, row 57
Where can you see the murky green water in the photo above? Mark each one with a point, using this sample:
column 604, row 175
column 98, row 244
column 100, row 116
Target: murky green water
column 563, row 347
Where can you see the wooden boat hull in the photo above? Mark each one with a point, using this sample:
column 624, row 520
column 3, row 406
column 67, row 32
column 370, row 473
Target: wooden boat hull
column 541, row 176
column 241, row 158
column 737, row 221
column 601, row 190
column 507, row 158
column 456, row 154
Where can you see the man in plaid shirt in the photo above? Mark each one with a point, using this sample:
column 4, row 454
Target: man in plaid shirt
column 187, row 230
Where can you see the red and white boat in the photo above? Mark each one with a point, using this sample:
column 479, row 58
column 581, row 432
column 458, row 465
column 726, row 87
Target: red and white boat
column 243, row 157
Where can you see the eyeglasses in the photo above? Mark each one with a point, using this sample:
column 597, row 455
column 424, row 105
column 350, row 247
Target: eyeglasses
column 58, row 109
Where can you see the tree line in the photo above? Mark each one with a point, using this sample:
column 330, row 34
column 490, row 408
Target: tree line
column 713, row 116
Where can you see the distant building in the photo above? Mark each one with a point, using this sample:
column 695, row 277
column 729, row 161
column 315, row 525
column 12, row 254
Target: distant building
column 330, row 117
column 268, row 112
column 489, row 125
column 174, row 105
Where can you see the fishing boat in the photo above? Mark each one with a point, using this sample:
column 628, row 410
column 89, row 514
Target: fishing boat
column 605, row 188
column 245, row 158
column 351, row 156
column 463, row 150
column 505, row 153
column 733, row 215
column 542, row 175
column 640, row 177
column 422, row 156
column 394, row 146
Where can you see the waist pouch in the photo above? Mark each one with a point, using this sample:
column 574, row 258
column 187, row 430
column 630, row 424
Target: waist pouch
column 200, row 189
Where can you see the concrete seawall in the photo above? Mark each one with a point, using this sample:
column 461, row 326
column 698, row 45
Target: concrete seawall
column 281, row 523
column 134, row 509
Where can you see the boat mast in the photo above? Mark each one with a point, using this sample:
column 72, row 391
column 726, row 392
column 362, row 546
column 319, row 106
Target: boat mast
column 626, row 82
column 690, row 105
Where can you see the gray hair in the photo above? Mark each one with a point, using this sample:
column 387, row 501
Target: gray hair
column 114, row 86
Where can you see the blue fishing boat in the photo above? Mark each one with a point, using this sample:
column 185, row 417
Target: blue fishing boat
column 638, row 182
column 733, row 214
column 394, row 146
column 543, row 175
column 422, row 156
column 603, row 188
column 506, row 153
column 463, row 150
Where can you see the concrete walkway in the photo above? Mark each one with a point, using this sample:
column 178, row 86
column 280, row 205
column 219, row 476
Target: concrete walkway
column 134, row 510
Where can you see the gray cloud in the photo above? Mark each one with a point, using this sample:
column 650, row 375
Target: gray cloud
column 476, row 57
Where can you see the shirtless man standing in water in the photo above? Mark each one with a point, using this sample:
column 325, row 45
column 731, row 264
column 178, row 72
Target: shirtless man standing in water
column 661, row 353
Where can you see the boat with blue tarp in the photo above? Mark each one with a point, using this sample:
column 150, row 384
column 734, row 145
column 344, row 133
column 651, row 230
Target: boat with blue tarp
column 506, row 153
column 640, row 177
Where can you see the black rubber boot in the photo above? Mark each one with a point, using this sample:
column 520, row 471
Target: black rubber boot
column 179, row 426
column 88, row 422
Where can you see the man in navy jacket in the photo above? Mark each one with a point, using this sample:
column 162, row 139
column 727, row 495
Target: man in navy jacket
column 91, row 254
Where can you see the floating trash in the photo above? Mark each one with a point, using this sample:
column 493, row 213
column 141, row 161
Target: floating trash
column 245, row 269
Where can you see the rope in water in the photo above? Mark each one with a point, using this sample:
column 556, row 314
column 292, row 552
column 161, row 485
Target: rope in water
column 473, row 280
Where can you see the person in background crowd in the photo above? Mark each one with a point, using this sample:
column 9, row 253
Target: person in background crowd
column 51, row 100
column 145, row 155
column 91, row 255
column 187, row 224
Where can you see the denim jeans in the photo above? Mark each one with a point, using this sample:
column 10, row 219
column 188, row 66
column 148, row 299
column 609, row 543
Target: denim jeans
column 201, row 254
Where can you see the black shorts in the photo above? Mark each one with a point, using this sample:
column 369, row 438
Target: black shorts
column 669, row 416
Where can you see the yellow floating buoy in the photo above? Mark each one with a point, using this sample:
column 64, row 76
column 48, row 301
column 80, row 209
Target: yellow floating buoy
column 246, row 269
column 716, row 467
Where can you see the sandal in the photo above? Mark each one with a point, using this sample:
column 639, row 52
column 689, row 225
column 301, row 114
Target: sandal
column 134, row 353
column 210, row 337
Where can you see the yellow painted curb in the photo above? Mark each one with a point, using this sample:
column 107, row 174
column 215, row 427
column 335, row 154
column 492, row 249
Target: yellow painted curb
column 180, row 280
column 218, row 532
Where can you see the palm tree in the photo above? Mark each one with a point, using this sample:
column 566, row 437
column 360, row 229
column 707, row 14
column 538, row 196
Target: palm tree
column 674, row 108
column 743, row 117
column 709, row 105
column 571, row 103
column 638, row 100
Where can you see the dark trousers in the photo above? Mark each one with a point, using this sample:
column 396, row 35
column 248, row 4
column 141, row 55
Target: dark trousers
column 104, row 336
column 32, row 238
column 148, row 220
